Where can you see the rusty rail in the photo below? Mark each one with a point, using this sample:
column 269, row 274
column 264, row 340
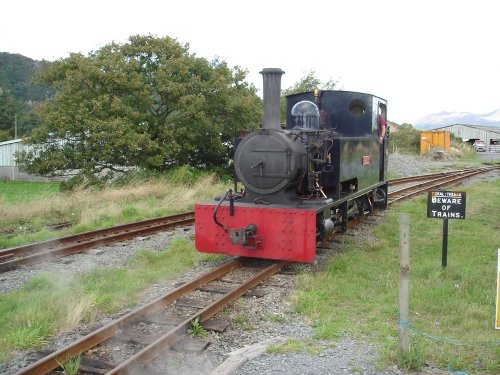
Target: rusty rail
column 144, row 356
column 435, row 183
column 404, row 180
column 42, row 251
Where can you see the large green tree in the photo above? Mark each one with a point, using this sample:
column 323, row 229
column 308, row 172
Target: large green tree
column 148, row 103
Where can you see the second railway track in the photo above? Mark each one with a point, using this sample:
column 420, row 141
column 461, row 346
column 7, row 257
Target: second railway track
column 16, row 257
column 433, row 182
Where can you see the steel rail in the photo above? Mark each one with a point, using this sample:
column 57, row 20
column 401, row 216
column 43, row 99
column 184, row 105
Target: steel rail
column 437, row 183
column 22, row 250
column 422, row 184
column 50, row 362
column 32, row 254
column 403, row 180
column 150, row 352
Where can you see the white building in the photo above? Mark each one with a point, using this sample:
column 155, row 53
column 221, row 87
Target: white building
column 470, row 133
column 8, row 167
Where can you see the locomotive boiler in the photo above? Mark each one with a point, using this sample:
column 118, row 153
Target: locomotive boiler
column 303, row 182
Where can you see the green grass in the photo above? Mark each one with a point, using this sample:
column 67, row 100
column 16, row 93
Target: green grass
column 295, row 346
column 27, row 212
column 196, row 329
column 71, row 365
column 357, row 292
column 242, row 321
column 52, row 302
column 15, row 192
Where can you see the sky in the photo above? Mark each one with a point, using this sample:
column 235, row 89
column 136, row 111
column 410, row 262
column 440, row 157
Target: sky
column 423, row 56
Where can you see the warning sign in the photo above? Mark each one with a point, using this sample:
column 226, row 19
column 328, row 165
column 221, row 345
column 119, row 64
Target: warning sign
column 446, row 205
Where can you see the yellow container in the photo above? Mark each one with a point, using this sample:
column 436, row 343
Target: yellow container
column 433, row 139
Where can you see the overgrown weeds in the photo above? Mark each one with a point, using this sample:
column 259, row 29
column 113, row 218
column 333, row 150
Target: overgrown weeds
column 196, row 329
column 89, row 209
column 71, row 365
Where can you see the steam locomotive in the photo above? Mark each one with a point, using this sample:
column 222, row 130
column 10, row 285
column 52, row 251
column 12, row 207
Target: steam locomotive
column 302, row 183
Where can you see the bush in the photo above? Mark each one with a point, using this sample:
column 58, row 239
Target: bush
column 80, row 181
column 406, row 140
column 183, row 175
column 133, row 177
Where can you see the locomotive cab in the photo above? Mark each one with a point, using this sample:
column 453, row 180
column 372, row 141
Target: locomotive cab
column 355, row 153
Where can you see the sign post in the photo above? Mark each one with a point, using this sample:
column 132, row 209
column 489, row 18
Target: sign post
column 445, row 205
column 444, row 255
column 497, row 320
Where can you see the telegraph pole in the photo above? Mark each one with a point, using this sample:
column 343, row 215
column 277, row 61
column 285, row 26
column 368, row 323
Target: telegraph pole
column 15, row 126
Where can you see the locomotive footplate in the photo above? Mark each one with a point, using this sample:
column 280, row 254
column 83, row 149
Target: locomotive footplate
column 258, row 232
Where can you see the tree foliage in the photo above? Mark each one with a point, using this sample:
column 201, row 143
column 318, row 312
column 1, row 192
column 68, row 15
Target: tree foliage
column 405, row 140
column 309, row 82
column 8, row 109
column 147, row 104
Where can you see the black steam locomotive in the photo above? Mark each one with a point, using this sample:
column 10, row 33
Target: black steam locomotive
column 301, row 183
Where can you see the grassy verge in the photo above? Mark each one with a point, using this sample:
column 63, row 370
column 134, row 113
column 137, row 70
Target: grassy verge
column 50, row 302
column 139, row 199
column 452, row 311
column 16, row 192
column 295, row 346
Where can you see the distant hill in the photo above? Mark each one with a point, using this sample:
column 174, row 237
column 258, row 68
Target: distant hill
column 18, row 94
column 16, row 76
column 450, row 118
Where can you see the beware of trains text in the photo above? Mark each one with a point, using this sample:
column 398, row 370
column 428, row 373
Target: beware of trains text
column 446, row 205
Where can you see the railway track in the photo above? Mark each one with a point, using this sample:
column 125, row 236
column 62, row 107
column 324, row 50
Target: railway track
column 430, row 182
column 431, row 176
column 13, row 258
column 216, row 288
column 168, row 318
column 16, row 257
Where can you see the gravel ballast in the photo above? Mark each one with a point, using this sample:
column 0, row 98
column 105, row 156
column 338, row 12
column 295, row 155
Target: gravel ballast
column 345, row 356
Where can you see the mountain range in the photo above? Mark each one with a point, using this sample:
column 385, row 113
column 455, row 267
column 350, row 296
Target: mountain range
column 450, row 118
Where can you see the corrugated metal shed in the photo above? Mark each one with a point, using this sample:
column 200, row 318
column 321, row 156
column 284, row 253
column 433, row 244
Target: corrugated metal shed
column 7, row 151
column 8, row 168
column 469, row 133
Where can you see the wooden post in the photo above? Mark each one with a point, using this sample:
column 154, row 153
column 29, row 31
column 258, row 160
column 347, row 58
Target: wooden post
column 404, row 282
column 444, row 256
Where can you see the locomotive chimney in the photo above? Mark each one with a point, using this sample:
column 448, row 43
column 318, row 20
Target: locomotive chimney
column 271, row 93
